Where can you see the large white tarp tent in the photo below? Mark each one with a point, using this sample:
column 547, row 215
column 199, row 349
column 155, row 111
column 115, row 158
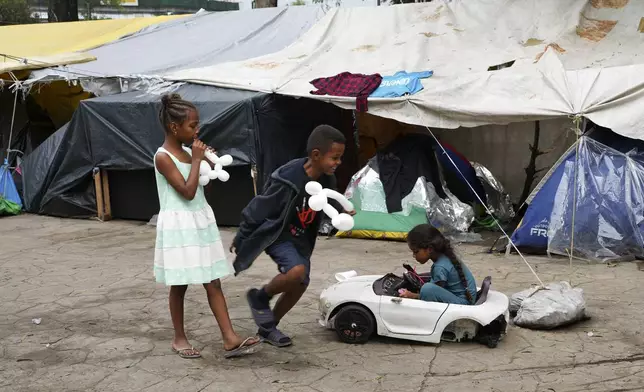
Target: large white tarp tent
column 571, row 57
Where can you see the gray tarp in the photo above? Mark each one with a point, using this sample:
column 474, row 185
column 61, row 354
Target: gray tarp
column 200, row 40
column 121, row 132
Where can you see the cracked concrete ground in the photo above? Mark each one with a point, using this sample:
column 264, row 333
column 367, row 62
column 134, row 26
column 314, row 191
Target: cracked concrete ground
column 105, row 324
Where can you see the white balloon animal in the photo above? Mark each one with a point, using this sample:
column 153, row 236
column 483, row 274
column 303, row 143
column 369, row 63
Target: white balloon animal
column 206, row 173
column 319, row 201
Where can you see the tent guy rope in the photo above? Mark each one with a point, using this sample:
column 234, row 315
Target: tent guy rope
column 13, row 114
column 487, row 209
column 576, row 121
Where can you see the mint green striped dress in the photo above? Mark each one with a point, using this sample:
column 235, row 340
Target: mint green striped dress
column 188, row 246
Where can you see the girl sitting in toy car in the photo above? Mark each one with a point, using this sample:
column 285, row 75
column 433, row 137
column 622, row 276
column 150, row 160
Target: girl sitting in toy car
column 450, row 279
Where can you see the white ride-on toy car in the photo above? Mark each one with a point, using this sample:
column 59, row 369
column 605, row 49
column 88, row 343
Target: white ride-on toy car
column 356, row 307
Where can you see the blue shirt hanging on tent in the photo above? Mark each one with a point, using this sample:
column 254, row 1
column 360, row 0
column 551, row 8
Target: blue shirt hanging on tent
column 402, row 83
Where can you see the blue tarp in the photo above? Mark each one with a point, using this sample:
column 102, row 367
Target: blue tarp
column 608, row 204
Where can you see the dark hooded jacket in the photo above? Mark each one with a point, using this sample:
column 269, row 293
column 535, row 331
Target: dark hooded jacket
column 265, row 217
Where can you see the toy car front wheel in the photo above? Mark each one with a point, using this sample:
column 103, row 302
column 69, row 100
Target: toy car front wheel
column 354, row 324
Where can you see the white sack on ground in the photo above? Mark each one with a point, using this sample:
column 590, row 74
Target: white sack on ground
column 516, row 299
column 557, row 305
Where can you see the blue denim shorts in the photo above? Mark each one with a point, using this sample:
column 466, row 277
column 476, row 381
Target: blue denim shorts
column 286, row 256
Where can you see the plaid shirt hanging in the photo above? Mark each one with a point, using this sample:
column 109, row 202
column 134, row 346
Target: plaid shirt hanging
column 347, row 84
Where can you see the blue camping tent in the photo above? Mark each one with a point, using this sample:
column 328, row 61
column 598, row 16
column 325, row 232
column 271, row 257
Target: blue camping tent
column 607, row 171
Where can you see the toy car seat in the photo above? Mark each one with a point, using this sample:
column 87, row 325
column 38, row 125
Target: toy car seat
column 481, row 296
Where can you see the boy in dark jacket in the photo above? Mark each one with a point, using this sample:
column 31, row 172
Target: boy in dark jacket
column 280, row 222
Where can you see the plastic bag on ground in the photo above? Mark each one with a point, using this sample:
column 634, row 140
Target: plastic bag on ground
column 557, row 305
column 517, row 298
column 10, row 202
column 7, row 207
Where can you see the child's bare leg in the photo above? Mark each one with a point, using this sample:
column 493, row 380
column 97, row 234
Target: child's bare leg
column 292, row 284
column 289, row 281
column 176, row 298
column 217, row 303
column 287, row 300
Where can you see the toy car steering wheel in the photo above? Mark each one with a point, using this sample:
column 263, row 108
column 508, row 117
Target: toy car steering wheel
column 412, row 278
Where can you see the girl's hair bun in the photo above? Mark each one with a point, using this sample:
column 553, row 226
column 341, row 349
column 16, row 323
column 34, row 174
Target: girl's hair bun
column 168, row 98
column 174, row 110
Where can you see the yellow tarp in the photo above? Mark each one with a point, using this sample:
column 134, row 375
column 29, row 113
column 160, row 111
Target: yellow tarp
column 55, row 43
column 373, row 235
column 14, row 63
column 59, row 100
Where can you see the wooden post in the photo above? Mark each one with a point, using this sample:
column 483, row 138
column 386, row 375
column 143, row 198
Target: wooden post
column 102, row 190
column 98, row 190
column 106, row 196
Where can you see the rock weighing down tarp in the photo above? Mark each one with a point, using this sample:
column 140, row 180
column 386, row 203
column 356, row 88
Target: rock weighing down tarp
column 203, row 39
column 573, row 57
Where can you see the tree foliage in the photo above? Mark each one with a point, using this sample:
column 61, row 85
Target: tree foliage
column 87, row 7
column 264, row 3
column 68, row 10
column 328, row 3
column 15, row 12
column 62, row 11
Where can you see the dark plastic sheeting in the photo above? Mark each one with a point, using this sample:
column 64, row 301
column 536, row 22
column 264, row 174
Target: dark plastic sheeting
column 284, row 126
column 122, row 132
column 133, row 194
column 38, row 170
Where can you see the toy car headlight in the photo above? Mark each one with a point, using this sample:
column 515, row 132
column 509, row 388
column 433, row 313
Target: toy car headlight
column 324, row 306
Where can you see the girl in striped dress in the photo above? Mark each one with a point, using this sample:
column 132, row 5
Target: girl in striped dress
column 188, row 247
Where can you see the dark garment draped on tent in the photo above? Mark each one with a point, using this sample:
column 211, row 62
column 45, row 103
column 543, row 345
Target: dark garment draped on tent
column 402, row 163
column 412, row 156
